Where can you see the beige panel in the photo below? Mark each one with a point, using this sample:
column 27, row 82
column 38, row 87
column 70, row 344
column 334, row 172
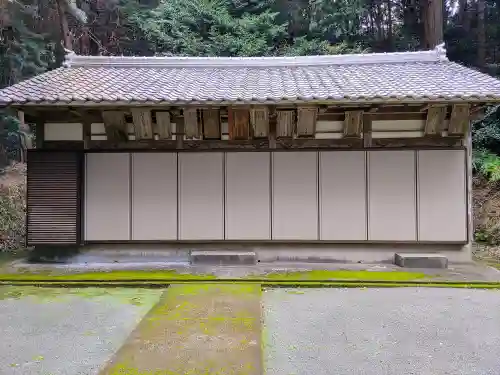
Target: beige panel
column 329, row 135
column 154, row 196
column 63, row 131
column 97, row 127
column 201, row 187
column 107, row 197
column 330, row 126
column 391, row 196
column 98, row 137
column 295, row 196
column 398, row 134
column 248, row 196
column 442, row 198
column 395, row 125
column 342, row 196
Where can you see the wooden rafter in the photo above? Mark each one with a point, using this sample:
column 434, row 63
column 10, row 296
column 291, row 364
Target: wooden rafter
column 259, row 118
column 306, row 121
column 459, row 119
column 435, row 121
column 163, row 126
column 238, row 123
column 115, row 125
column 143, row 124
column 285, row 121
column 353, row 124
column 211, row 123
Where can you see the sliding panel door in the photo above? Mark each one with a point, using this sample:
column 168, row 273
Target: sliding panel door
column 201, row 203
column 342, row 196
column 248, row 196
column 154, row 196
column 107, row 196
column 295, row 196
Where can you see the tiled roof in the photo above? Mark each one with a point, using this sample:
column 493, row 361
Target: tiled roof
column 410, row 76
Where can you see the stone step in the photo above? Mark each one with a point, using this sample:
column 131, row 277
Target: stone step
column 222, row 257
column 419, row 260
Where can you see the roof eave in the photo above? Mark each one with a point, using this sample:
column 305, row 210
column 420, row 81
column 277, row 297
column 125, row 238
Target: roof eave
column 485, row 100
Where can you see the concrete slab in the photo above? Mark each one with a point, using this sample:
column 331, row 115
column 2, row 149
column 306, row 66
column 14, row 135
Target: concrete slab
column 222, row 257
column 381, row 331
column 66, row 331
column 419, row 260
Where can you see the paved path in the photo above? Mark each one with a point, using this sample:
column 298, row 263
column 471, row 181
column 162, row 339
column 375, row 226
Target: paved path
column 382, row 331
column 196, row 330
column 47, row 331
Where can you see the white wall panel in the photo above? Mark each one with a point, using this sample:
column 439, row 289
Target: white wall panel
column 248, row 196
column 201, row 211
column 342, row 196
column 154, row 196
column 442, row 198
column 107, row 196
column 63, row 131
column 295, row 196
column 391, row 196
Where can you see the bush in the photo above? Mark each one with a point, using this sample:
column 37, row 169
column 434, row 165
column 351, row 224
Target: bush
column 13, row 208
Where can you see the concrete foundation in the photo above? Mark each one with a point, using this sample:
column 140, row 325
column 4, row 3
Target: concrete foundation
column 421, row 260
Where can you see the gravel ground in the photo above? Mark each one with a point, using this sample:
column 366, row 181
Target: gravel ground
column 66, row 332
column 382, row 331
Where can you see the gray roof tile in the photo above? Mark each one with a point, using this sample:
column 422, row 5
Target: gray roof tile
column 420, row 76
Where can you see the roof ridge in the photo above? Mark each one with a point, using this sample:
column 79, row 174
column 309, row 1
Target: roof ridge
column 438, row 54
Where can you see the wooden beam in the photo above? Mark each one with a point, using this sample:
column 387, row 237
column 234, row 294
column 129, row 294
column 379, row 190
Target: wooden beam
column 436, row 116
column 143, row 124
column 417, row 142
column 211, row 123
column 306, row 121
column 259, row 118
column 285, row 121
column 115, row 125
column 353, row 124
column 163, row 125
column 191, row 124
column 238, row 123
column 459, row 120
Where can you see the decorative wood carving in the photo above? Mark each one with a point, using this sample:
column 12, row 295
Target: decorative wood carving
column 115, row 125
column 191, row 125
column 143, row 125
column 312, row 143
column 238, row 123
column 459, row 120
column 353, row 124
column 163, row 125
column 259, row 118
column 306, row 121
column 211, row 123
column 285, row 121
column 436, row 116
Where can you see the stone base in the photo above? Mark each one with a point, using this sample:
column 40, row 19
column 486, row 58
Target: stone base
column 421, row 260
column 222, row 257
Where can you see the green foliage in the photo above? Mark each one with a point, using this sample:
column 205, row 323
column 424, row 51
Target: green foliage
column 487, row 163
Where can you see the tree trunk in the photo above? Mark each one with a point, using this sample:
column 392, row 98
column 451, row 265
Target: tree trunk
column 390, row 43
column 481, row 34
column 433, row 23
column 63, row 23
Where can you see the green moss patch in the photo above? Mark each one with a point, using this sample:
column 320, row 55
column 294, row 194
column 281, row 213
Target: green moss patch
column 196, row 329
column 132, row 296
column 105, row 276
column 343, row 275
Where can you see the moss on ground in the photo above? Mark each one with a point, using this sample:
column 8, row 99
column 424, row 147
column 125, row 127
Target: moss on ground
column 343, row 275
column 25, row 274
column 132, row 296
column 203, row 329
